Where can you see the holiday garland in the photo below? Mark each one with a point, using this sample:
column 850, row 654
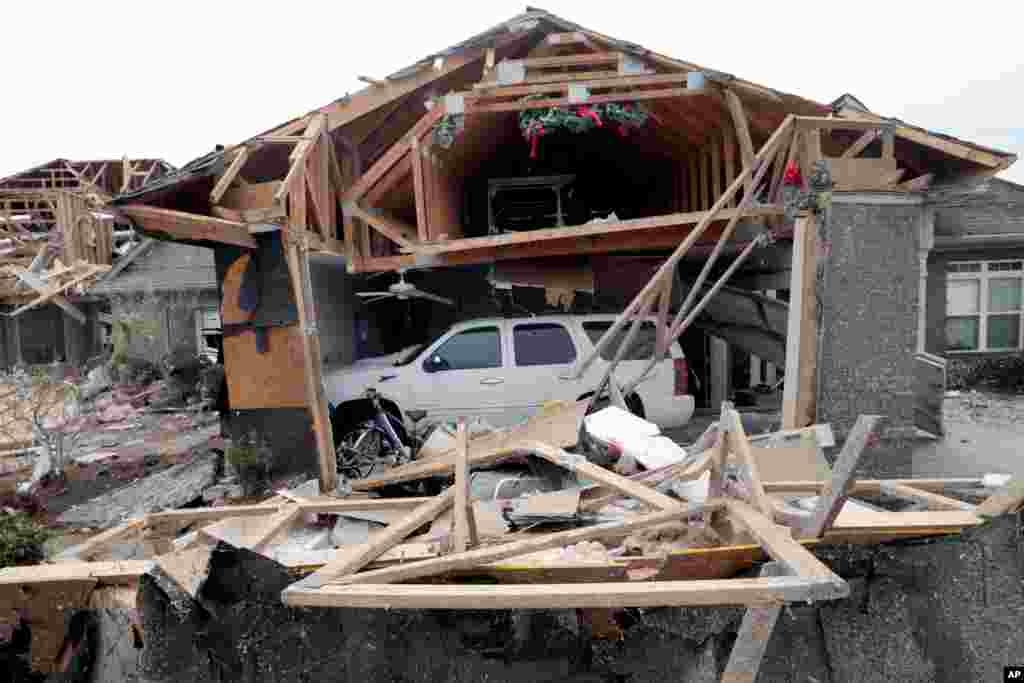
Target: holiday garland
column 535, row 123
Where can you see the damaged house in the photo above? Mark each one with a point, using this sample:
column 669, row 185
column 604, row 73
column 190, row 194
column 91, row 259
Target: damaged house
column 583, row 162
column 466, row 218
column 55, row 241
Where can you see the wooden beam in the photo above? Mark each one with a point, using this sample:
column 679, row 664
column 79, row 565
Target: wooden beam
column 668, row 267
column 778, row 542
column 739, row 119
column 463, row 503
column 731, row 429
column 753, row 637
column 588, row 470
column 716, row 166
column 800, row 386
column 398, row 173
column 104, row 573
column 224, row 182
column 392, row 228
column 420, row 188
column 832, row 497
column 860, row 145
column 172, row 521
column 934, row 501
column 525, row 105
column 47, row 292
column 297, row 258
column 1004, row 501
column 579, row 232
column 85, row 552
column 835, row 123
column 393, row 155
column 706, row 198
column 604, row 81
column 918, row 184
column 729, row 149
column 189, row 226
column 707, row 592
column 572, row 60
column 297, row 158
column 485, row 555
column 395, row 533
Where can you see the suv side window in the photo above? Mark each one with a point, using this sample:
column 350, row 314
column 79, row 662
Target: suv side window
column 641, row 349
column 542, row 344
column 472, row 349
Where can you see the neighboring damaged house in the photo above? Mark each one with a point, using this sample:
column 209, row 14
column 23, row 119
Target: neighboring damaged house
column 56, row 238
column 166, row 296
column 975, row 305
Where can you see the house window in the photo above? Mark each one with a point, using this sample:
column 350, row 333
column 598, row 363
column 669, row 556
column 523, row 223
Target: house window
column 208, row 333
column 984, row 305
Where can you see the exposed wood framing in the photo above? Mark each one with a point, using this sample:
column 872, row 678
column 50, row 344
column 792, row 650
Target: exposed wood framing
column 298, row 267
column 189, row 226
column 948, row 146
column 739, row 119
column 832, row 497
column 753, row 637
column 666, row 271
column 363, row 554
column 224, row 182
column 558, row 596
column 860, row 145
column 799, row 389
column 493, row 107
column 464, row 528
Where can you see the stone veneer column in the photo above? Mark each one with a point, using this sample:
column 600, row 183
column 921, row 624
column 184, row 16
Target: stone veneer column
column 869, row 296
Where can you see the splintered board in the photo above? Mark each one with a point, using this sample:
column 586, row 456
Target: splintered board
column 265, row 380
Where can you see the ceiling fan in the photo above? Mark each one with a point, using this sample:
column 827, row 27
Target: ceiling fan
column 403, row 291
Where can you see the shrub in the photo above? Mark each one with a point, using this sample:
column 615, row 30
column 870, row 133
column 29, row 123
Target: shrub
column 21, row 539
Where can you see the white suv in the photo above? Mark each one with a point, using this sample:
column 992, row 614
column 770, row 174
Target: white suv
column 502, row 370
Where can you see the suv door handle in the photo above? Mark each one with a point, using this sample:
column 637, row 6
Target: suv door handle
column 492, row 380
column 566, row 375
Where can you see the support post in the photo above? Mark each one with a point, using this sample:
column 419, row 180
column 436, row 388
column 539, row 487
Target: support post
column 798, row 400
column 298, row 267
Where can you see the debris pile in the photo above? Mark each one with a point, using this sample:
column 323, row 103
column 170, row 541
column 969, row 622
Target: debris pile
column 555, row 531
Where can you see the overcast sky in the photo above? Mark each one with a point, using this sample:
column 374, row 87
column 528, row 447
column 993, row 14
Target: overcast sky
column 103, row 79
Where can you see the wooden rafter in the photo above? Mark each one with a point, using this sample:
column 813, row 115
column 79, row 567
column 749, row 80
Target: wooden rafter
column 481, row 108
column 189, row 226
column 298, row 155
column 861, row 144
column 224, row 182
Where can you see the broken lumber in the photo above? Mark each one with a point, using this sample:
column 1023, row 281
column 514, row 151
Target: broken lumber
column 705, row 592
column 475, row 558
column 559, row 428
column 835, row 492
column 753, row 637
column 394, row 534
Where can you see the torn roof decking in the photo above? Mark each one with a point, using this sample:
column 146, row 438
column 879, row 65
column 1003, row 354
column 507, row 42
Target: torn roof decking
column 366, row 125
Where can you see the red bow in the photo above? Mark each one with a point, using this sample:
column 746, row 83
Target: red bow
column 792, row 176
